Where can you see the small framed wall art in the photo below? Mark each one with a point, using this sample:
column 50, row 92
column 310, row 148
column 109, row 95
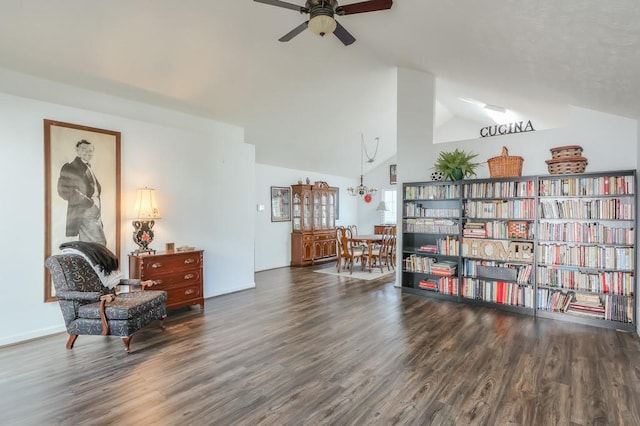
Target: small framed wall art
column 393, row 175
column 280, row 204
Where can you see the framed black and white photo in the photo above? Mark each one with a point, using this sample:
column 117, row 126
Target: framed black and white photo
column 280, row 204
column 82, row 188
column 393, row 175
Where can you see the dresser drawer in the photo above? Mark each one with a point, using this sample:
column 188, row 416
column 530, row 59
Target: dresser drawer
column 171, row 278
column 183, row 294
column 160, row 265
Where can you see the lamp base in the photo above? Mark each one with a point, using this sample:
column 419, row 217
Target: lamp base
column 143, row 235
column 137, row 252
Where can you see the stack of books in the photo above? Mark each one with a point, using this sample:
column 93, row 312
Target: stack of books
column 588, row 305
column 428, row 285
column 474, row 229
column 429, row 248
column 444, row 268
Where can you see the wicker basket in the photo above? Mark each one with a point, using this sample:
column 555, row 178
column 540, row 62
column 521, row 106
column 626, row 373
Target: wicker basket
column 561, row 166
column 566, row 151
column 505, row 165
column 517, row 229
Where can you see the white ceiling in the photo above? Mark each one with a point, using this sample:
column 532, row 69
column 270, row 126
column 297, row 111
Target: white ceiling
column 305, row 103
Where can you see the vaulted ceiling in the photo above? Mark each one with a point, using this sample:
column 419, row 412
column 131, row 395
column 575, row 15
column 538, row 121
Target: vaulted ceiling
column 305, row 103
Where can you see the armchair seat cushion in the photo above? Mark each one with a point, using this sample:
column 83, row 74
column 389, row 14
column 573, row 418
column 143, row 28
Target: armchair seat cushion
column 125, row 306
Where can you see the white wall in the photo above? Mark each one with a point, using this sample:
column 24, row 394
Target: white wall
column 457, row 128
column 202, row 171
column 416, row 113
column 273, row 239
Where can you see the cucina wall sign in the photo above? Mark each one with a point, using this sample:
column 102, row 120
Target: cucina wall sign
column 506, row 129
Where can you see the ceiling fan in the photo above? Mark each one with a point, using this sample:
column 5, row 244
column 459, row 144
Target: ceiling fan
column 322, row 13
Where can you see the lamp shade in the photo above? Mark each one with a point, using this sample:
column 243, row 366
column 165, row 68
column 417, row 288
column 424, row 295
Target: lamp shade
column 322, row 24
column 382, row 207
column 145, row 206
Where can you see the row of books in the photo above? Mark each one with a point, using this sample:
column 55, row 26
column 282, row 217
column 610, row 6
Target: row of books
column 602, row 209
column 416, row 263
column 444, row 285
column 596, row 257
column 431, row 225
column 429, row 265
column 563, row 187
column 610, row 307
column 491, row 269
column 614, row 282
column 510, row 189
column 417, row 210
column 497, row 292
column 448, row 246
column 431, row 192
column 553, row 300
column 492, row 229
column 586, row 233
column 585, row 186
column 501, row 209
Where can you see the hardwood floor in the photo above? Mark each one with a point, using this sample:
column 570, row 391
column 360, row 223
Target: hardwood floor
column 307, row 348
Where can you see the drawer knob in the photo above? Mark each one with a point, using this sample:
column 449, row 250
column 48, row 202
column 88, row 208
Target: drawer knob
column 189, row 277
column 156, row 265
column 188, row 292
column 188, row 261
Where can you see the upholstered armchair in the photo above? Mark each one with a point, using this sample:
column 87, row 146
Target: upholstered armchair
column 90, row 308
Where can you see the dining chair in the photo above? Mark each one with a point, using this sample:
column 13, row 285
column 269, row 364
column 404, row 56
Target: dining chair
column 381, row 254
column 352, row 253
column 340, row 232
column 392, row 246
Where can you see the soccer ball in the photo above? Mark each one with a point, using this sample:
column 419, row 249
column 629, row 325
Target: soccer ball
column 437, row 175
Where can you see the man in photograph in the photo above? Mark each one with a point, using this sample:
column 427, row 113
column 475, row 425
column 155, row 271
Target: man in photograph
column 79, row 186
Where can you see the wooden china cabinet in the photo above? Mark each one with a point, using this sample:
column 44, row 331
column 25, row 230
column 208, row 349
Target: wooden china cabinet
column 314, row 224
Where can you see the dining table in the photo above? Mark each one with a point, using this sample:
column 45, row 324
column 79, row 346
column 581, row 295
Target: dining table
column 369, row 240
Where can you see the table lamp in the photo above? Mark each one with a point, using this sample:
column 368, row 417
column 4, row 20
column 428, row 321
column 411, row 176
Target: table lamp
column 145, row 211
column 382, row 207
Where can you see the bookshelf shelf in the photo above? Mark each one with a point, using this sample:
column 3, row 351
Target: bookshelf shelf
column 571, row 256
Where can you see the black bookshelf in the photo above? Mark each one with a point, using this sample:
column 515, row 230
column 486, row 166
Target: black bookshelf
column 552, row 246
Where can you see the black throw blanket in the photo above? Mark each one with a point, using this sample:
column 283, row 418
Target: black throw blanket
column 99, row 255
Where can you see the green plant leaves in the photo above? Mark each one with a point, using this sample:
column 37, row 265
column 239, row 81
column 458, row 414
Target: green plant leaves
column 449, row 162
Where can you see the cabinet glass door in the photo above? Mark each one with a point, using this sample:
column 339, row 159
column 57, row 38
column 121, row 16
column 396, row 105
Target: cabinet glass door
column 316, row 211
column 306, row 211
column 324, row 217
column 331, row 209
column 296, row 212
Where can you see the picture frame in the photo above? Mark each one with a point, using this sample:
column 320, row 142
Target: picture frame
column 280, row 204
column 82, row 189
column 393, row 174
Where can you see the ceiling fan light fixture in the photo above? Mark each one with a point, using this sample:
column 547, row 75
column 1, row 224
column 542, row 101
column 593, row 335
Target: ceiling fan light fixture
column 322, row 24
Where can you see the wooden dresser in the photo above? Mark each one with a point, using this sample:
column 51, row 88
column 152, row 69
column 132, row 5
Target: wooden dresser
column 178, row 273
column 379, row 229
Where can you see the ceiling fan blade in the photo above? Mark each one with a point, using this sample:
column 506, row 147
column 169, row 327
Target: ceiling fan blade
column 343, row 35
column 294, row 32
column 286, row 5
column 364, row 6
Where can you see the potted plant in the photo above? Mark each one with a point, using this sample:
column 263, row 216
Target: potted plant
column 456, row 165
